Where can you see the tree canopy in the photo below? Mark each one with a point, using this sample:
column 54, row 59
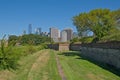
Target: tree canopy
column 31, row 39
column 100, row 21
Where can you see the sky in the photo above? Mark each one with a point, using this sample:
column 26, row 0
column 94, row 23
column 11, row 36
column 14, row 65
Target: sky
column 16, row 15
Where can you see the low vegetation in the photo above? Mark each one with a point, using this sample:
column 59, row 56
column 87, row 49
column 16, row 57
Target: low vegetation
column 10, row 54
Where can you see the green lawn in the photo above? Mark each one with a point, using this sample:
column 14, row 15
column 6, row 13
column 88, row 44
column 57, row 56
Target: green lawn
column 77, row 68
column 42, row 65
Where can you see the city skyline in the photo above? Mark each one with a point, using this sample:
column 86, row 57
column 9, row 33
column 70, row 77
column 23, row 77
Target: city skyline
column 15, row 15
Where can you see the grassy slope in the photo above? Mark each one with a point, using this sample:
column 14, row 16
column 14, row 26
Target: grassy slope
column 37, row 66
column 40, row 66
column 76, row 68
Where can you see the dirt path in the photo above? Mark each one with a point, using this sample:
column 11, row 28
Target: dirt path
column 60, row 69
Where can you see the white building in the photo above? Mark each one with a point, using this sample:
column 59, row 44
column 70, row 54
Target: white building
column 69, row 33
column 63, row 36
column 55, row 34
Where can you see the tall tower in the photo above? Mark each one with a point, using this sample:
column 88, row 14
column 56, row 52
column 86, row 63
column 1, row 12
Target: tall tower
column 30, row 29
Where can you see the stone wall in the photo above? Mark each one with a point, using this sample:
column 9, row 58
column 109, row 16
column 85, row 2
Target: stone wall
column 59, row 47
column 75, row 47
column 108, row 56
column 108, row 52
column 63, row 47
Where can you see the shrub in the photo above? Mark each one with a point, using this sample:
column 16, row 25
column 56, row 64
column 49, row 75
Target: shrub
column 8, row 59
column 86, row 39
column 30, row 49
column 42, row 46
column 74, row 40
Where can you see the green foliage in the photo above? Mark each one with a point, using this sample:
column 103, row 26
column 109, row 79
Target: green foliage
column 42, row 46
column 113, row 37
column 75, row 40
column 29, row 39
column 8, row 59
column 12, row 40
column 34, row 39
column 30, row 49
column 9, row 53
column 116, row 14
column 86, row 39
column 82, row 40
column 100, row 21
column 81, row 24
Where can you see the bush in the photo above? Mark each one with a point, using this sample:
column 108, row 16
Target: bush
column 86, row 39
column 8, row 59
column 30, row 49
column 42, row 46
column 74, row 40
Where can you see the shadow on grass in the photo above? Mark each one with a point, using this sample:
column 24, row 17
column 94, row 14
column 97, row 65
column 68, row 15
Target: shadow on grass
column 108, row 67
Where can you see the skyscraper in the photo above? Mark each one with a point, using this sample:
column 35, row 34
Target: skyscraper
column 30, row 29
column 54, row 34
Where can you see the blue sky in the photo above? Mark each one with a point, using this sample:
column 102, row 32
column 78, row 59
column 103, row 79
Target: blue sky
column 16, row 15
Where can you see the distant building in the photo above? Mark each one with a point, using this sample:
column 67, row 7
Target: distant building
column 24, row 32
column 48, row 34
column 30, row 29
column 38, row 31
column 69, row 33
column 44, row 34
column 63, row 36
column 54, row 34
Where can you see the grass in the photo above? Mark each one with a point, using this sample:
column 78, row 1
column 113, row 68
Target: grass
column 51, row 67
column 78, row 68
column 38, row 66
column 42, row 65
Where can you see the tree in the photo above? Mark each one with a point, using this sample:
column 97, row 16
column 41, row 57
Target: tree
column 116, row 15
column 100, row 21
column 12, row 39
column 81, row 23
column 33, row 39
